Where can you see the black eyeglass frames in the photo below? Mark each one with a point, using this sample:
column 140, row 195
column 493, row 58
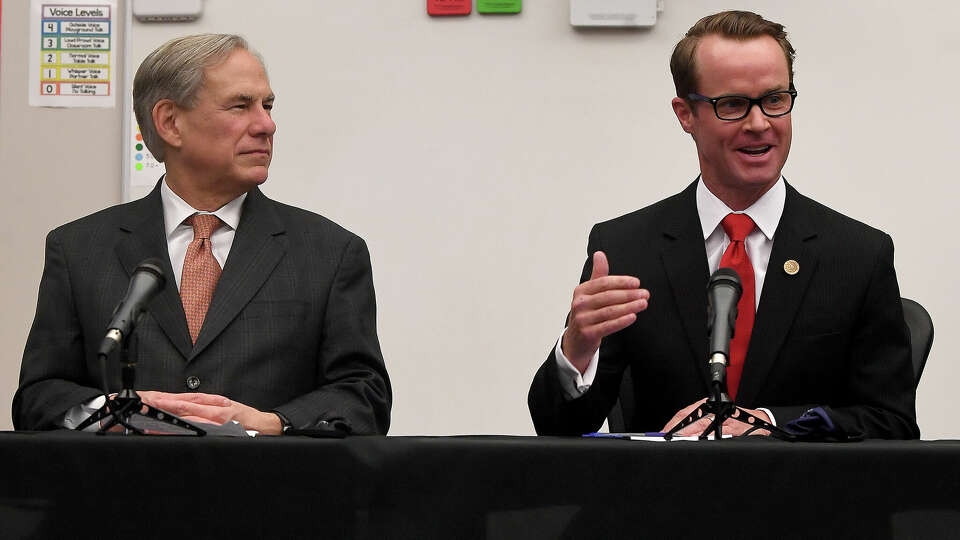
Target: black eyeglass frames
column 773, row 104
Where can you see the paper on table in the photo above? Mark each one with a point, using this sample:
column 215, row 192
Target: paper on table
column 229, row 429
column 651, row 436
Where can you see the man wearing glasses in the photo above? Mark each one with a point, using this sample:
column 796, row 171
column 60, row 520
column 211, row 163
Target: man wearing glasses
column 820, row 335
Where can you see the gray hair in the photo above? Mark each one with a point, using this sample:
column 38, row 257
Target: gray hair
column 175, row 71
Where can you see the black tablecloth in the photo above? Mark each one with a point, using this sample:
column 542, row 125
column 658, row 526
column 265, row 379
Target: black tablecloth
column 66, row 484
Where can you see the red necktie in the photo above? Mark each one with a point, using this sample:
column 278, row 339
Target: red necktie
column 738, row 227
column 201, row 271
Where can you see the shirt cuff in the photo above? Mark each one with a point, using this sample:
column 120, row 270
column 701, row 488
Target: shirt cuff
column 773, row 419
column 76, row 415
column 574, row 383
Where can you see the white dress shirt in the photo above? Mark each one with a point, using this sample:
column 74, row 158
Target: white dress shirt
column 765, row 212
column 179, row 235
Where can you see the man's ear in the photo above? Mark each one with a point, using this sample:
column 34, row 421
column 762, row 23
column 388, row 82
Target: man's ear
column 165, row 114
column 684, row 114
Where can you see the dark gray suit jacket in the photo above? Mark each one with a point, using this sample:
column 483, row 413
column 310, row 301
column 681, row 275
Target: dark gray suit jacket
column 291, row 327
column 832, row 335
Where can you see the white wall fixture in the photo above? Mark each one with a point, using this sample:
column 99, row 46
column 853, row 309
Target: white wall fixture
column 167, row 10
column 614, row 12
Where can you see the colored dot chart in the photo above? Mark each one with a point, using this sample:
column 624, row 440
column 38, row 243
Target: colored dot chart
column 144, row 168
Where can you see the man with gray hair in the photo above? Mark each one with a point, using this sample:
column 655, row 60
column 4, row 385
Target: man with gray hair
column 268, row 317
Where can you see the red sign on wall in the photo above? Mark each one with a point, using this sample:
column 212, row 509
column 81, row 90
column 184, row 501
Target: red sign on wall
column 449, row 7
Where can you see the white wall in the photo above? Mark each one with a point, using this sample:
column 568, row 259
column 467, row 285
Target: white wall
column 474, row 154
column 45, row 182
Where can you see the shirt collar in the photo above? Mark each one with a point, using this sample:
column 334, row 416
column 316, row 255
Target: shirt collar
column 176, row 210
column 765, row 212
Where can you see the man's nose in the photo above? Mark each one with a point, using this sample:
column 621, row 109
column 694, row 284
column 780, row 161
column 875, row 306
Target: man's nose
column 756, row 120
column 263, row 124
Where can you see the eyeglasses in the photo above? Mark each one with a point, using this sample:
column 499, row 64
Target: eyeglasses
column 773, row 104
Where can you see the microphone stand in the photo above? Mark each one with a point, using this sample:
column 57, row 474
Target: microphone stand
column 119, row 409
column 722, row 408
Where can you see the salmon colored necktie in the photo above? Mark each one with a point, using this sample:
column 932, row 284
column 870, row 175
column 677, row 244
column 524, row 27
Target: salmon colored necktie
column 200, row 272
column 738, row 227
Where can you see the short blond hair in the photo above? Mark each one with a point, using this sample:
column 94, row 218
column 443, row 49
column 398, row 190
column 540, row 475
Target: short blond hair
column 175, row 71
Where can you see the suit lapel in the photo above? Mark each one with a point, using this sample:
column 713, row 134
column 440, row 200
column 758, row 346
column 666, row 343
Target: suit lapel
column 684, row 259
column 253, row 256
column 143, row 221
column 782, row 293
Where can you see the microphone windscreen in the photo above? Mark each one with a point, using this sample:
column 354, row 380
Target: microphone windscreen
column 154, row 266
column 726, row 276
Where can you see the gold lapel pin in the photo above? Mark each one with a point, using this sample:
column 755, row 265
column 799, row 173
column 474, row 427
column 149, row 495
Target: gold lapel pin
column 791, row 267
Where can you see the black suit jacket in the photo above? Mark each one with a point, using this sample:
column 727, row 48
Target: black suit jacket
column 832, row 335
column 291, row 326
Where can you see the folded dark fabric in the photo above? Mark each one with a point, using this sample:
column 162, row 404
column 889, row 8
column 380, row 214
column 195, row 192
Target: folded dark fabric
column 816, row 425
column 815, row 420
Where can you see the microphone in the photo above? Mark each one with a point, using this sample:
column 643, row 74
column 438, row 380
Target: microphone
column 146, row 282
column 723, row 293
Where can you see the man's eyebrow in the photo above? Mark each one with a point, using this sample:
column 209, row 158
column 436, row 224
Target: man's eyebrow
column 777, row 88
column 248, row 98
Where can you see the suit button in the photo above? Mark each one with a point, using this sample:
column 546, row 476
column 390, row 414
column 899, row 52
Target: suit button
column 193, row 382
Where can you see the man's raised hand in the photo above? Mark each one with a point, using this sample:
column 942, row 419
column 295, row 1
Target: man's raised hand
column 602, row 305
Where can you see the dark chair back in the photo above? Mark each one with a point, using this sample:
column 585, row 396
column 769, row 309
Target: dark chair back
column 921, row 334
column 921, row 339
